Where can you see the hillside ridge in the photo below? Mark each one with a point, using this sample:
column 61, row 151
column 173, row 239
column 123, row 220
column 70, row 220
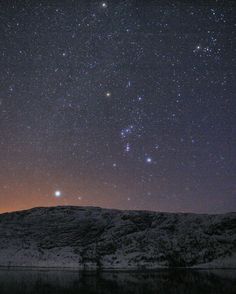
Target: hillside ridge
column 100, row 238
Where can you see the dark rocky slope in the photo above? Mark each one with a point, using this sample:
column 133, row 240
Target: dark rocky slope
column 90, row 237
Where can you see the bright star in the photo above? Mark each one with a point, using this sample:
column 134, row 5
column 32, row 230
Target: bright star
column 148, row 160
column 127, row 147
column 57, row 193
column 108, row 94
column 104, row 5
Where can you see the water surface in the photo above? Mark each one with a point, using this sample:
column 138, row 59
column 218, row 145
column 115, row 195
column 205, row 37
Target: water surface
column 28, row 281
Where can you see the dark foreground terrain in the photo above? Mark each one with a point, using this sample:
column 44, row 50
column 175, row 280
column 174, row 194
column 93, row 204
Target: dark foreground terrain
column 95, row 238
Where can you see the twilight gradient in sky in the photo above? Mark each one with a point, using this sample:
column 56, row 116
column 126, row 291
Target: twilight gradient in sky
column 125, row 104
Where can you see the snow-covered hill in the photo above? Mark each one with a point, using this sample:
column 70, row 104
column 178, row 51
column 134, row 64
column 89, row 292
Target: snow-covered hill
column 91, row 237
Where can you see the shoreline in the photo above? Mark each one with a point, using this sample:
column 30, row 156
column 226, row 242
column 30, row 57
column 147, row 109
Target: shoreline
column 98, row 270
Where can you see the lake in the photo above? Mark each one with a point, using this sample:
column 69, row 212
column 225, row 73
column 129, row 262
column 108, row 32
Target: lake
column 33, row 281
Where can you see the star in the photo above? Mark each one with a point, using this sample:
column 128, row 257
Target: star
column 108, row 94
column 149, row 160
column 128, row 84
column 57, row 193
column 11, row 88
column 104, row 5
column 127, row 147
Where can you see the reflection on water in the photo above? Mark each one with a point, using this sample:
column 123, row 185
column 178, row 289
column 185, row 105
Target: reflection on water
column 160, row 282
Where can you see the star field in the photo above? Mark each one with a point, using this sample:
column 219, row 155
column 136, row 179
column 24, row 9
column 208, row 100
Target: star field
column 124, row 104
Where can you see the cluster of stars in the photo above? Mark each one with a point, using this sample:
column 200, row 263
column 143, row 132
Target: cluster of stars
column 127, row 104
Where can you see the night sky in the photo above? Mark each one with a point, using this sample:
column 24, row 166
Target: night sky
column 118, row 104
